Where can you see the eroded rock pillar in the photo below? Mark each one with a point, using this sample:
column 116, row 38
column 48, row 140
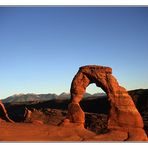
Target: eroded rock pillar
column 4, row 114
column 78, row 87
column 123, row 112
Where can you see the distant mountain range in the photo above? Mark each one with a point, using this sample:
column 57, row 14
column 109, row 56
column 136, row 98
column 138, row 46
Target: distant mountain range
column 35, row 98
column 139, row 96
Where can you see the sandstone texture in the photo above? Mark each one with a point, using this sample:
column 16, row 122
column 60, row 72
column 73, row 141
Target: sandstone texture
column 3, row 113
column 123, row 116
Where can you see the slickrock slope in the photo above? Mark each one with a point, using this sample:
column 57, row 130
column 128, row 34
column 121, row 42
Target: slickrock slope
column 42, row 132
column 43, row 125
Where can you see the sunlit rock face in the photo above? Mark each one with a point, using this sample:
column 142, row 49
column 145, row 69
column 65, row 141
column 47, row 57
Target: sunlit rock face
column 3, row 113
column 123, row 113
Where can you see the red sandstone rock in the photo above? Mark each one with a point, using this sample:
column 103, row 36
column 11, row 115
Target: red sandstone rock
column 123, row 112
column 113, row 135
column 4, row 113
column 76, row 114
column 37, row 122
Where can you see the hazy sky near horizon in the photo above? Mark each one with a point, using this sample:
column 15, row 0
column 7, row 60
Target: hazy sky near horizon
column 42, row 48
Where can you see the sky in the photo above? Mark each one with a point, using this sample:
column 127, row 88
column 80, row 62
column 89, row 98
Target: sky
column 42, row 48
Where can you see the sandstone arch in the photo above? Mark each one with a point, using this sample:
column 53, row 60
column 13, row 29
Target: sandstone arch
column 123, row 113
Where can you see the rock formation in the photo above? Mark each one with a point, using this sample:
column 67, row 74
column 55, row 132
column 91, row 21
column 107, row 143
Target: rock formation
column 123, row 114
column 3, row 113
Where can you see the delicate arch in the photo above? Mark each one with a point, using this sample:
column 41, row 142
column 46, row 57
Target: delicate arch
column 123, row 112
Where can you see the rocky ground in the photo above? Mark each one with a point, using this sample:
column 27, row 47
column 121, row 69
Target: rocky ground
column 42, row 121
column 46, row 125
column 31, row 132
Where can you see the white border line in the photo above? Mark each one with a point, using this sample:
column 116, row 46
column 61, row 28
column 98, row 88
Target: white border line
column 74, row 2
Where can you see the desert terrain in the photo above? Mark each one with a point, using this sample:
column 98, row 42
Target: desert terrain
column 41, row 120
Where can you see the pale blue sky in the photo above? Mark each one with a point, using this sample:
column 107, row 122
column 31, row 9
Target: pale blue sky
column 41, row 48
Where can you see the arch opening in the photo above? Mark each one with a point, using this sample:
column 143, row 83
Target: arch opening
column 93, row 89
column 97, row 102
column 96, row 108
